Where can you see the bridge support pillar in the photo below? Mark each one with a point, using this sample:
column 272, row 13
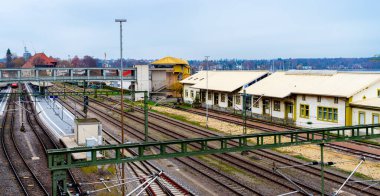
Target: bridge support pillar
column 59, row 182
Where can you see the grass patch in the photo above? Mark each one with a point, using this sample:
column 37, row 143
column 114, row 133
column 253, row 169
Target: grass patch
column 185, row 106
column 89, row 169
column 302, row 158
column 184, row 119
column 369, row 142
column 357, row 174
column 111, row 169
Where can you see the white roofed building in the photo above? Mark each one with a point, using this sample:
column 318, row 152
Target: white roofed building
column 313, row 98
column 223, row 87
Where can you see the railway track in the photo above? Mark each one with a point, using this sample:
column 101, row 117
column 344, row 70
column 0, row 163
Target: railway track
column 263, row 173
column 27, row 179
column 232, row 185
column 47, row 142
column 353, row 147
column 265, row 126
column 330, row 176
column 164, row 185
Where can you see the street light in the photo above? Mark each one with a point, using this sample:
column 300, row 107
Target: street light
column 121, row 98
column 207, row 91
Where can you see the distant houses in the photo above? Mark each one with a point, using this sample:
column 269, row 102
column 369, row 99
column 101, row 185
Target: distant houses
column 306, row 98
column 37, row 60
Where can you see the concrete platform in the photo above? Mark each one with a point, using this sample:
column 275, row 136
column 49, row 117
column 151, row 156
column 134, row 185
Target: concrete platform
column 69, row 142
column 59, row 120
column 3, row 100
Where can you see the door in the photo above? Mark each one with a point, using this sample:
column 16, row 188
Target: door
column 216, row 98
column 266, row 107
column 230, row 101
column 288, row 110
column 375, row 118
column 203, row 95
column 361, row 118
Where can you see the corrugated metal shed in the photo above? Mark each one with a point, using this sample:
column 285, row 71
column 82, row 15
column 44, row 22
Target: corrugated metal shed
column 327, row 83
column 229, row 81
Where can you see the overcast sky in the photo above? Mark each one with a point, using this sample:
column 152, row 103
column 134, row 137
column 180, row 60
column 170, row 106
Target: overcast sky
column 192, row 29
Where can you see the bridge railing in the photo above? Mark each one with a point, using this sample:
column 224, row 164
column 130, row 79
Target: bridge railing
column 62, row 158
column 65, row 74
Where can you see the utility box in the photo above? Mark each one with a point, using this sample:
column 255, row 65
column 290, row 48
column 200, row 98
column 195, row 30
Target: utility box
column 87, row 128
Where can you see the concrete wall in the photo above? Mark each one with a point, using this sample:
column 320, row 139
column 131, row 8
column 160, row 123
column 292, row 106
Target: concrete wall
column 313, row 108
column 158, row 79
column 85, row 131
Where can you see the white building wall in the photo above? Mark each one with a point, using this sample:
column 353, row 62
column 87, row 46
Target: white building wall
column 211, row 101
column 259, row 109
column 142, row 83
column 278, row 114
column 235, row 105
column 313, row 109
column 370, row 92
column 225, row 103
column 188, row 98
column 368, row 115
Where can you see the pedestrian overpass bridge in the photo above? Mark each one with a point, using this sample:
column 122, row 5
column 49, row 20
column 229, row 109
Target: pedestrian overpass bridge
column 66, row 74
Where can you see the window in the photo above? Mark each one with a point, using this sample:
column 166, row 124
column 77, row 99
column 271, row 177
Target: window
column 375, row 118
column 223, row 97
column 255, row 101
column 361, row 118
column 336, row 99
column 209, row 96
column 237, row 99
column 186, row 93
column 304, row 111
column 192, row 94
column 276, row 105
column 319, row 99
column 378, row 92
column 327, row 114
column 303, row 97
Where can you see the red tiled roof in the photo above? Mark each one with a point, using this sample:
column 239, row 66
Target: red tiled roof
column 45, row 59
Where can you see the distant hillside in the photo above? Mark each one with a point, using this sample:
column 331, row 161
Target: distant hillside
column 286, row 64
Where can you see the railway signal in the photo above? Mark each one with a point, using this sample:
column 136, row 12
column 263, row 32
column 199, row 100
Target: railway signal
column 85, row 104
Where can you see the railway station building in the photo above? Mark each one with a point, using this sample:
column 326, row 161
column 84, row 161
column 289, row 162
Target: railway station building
column 165, row 75
column 317, row 98
column 223, row 88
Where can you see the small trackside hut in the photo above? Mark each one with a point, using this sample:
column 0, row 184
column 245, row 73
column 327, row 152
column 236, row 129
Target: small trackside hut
column 87, row 128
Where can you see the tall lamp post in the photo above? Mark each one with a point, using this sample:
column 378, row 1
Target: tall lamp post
column 206, row 90
column 122, row 100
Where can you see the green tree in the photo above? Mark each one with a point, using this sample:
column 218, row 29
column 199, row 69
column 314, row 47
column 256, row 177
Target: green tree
column 376, row 58
column 8, row 63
